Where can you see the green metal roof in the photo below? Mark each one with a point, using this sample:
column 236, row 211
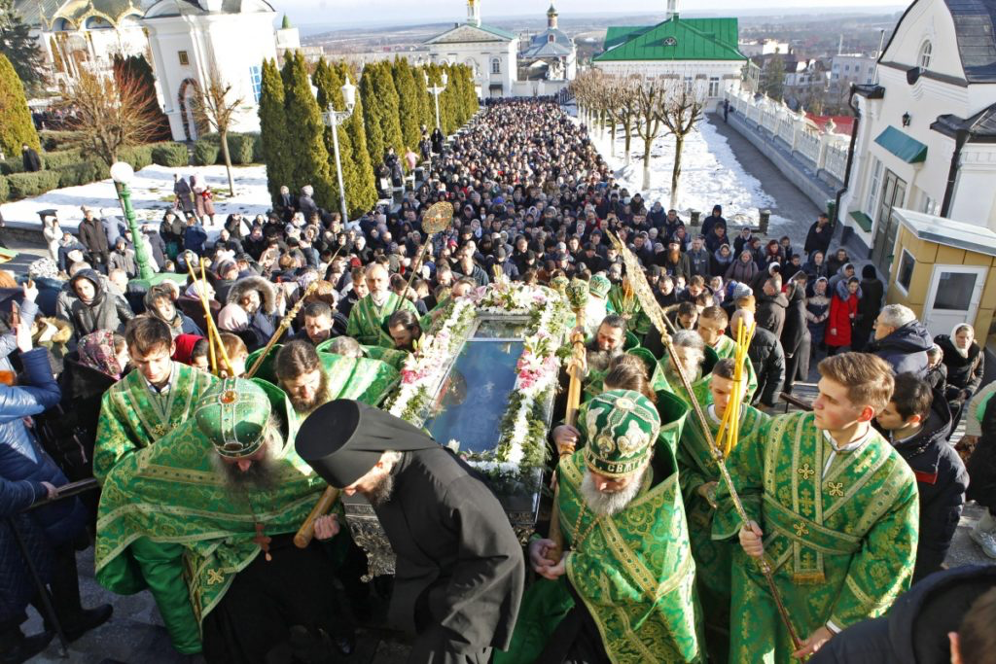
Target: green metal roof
column 674, row 39
column 496, row 31
column 903, row 146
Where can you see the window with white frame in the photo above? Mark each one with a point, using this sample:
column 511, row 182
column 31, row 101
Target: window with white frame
column 688, row 85
column 714, row 86
column 496, row 66
column 924, row 55
column 872, row 195
column 255, row 80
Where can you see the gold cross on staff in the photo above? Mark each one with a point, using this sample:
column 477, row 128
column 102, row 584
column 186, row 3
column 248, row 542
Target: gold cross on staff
column 806, row 471
column 263, row 541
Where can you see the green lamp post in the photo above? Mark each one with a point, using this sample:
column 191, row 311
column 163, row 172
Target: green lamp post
column 122, row 173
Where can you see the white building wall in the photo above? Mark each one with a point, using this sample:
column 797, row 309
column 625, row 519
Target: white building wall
column 701, row 71
column 479, row 55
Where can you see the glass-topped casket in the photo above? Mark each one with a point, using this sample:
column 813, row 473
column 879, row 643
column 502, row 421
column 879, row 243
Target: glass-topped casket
column 483, row 384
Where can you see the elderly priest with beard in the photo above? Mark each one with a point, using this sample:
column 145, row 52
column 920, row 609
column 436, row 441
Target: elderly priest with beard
column 205, row 519
column 459, row 570
column 624, row 588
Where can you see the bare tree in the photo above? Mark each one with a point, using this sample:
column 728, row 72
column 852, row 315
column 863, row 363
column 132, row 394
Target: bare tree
column 680, row 108
column 648, row 118
column 107, row 114
column 219, row 104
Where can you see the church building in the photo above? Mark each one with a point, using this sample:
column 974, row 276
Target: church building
column 550, row 54
column 490, row 52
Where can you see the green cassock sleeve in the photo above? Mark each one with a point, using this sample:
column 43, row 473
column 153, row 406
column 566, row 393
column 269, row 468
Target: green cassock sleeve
column 113, row 442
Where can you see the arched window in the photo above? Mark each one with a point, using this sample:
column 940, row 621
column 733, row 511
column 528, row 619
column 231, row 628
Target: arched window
column 924, row 56
column 496, row 66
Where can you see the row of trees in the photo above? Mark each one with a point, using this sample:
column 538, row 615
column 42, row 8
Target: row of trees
column 645, row 107
column 393, row 104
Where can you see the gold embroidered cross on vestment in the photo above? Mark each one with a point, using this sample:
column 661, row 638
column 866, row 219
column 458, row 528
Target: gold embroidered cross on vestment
column 835, row 489
column 806, row 471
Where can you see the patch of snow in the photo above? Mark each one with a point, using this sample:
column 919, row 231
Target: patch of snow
column 152, row 194
column 711, row 174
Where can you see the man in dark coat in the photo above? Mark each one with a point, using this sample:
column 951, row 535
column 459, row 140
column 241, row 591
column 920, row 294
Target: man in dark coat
column 459, row 569
column 795, row 337
column 94, row 238
column 819, row 236
column 901, row 340
column 917, row 424
column 869, row 305
column 767, row 359
column 771, row 310
column 920, row 623
column 29, row 156
column 716, row 218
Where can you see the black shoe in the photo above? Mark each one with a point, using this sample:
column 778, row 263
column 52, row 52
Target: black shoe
column 86, row 620
column 25, row 648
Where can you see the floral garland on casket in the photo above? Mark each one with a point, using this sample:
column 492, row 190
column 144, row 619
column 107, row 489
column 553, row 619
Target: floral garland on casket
column 522, row 442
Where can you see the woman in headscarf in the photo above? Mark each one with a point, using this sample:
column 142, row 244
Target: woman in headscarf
column 963, row 361
column 817, row 312
column 722, row 260
column 190, row 303
column 844, row 306
column 743, row 270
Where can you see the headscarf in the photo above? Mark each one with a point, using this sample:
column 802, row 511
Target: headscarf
column 194, row 290
column 43, row 268
column 964, row 352
column 96, row 351
column 185, row 347
column 232, row 318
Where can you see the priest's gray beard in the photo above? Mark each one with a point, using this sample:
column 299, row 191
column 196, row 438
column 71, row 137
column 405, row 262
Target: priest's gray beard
column 599, row 359
column 608, row 504
column 693, row 371
column 379, row 297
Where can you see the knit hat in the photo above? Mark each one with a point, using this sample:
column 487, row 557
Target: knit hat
column 233, row 415
column 43, row 267
column 599, row 285
column 621, row 427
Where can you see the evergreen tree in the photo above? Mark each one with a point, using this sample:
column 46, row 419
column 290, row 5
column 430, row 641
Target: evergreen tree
column 773, row 76
column 305, row 129
column 372, row 111
column 408, row 103
column 361, row 194
column 277, row 154
column 391, row 127
column 20, row 48
column 426, row 113
column 16, row 127
column 137, row 68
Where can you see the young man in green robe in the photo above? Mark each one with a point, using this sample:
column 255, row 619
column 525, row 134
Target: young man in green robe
column 832, row 507
column 712, row 326
column 369, row 316
column 699, row 476
column 205, row 520
column 152, row 400
column 624, row 589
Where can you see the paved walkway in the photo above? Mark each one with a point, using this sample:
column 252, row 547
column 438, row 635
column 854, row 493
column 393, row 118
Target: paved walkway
column 795, row 210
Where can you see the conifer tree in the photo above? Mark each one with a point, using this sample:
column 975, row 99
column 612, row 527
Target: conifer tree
column 427, row 116
column 391, row 128
column 305, row 129
column 372, row 112
column 361, row 193
column 273, row 130
column 20, row 47
column 16, row 127
column 408, row 103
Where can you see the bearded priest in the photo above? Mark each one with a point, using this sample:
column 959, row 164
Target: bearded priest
column 624, row 589
column 369, row 316
column 459, row 569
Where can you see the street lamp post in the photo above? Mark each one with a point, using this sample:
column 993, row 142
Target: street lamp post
column 333, row 119
column 122, row 173
column 436, row 91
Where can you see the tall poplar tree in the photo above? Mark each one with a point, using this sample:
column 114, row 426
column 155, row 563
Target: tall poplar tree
column 424, row 99
column 20, row 48
column 305, row 129
column 372, row 111
column 363, row 195
column 16, row 127
column 391, row 127
column 273, row 130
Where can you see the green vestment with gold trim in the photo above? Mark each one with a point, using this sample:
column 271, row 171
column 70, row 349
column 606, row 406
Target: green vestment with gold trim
column 360, row 378
column 697, row 466
column 132, row 416
column 169, row 521
column 840, row 533
column 638, row 322
column 368, row 322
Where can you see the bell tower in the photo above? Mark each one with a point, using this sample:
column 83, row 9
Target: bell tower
column 474, row 13
column 552, row 17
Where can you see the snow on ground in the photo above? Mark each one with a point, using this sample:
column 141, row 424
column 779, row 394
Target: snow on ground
column 152, row 194
column 711, row 174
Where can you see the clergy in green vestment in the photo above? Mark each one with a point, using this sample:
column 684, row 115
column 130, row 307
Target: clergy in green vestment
column 711, row 326
column 311, row 378
column 622, row 301
column 697, row 361
column 699, row 476
column 369, row 316
column 833, row 508
column 349, row 347
column 205, row 519
column 154, row 398
column 624, row 589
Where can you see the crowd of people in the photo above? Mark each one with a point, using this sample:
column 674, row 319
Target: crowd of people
column 202, row 489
